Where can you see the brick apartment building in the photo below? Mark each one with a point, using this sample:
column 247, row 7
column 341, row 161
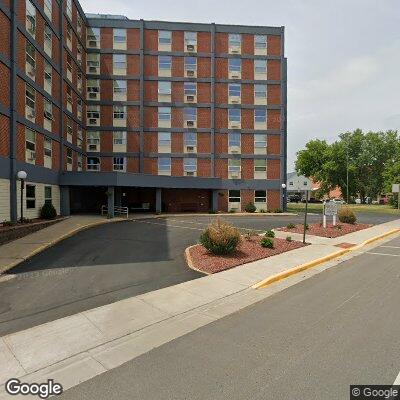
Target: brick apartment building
column 100, row 109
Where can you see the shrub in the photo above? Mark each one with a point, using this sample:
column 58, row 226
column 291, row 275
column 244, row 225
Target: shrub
column 262, row 210
column 290, row 226
column 307, row 227
column 250, row 208
column 232, row 210
column 8, row 223
column 339, row 227
column 48, row 211
column 269, row 234
column 347, row 216
column 288, row 238
column 220, row 238
column 267, row 242
column 249, row 233
column 278, row 211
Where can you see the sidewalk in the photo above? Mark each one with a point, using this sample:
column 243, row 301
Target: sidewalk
column 11, row 254
column 76, row 348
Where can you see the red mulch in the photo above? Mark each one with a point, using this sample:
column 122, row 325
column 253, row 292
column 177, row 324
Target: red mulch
column 330, row 231
column 248, row 250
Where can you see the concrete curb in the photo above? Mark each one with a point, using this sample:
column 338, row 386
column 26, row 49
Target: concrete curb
column 190, row 263
column 283, row 214
column 285, row 274
column 5, row 268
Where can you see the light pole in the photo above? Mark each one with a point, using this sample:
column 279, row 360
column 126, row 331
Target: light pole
column 22, row 176
column 283, row 196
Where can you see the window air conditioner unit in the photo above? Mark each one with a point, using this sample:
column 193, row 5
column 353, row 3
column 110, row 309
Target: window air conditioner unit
column 31, row 29
column 92, row 147
column 189, row 173
column 32, row 72
column 190, row 47
column 32, row 156
column 92, row 43
column 93, row 70
column 235, row 100
column 235, row 75
column 48, row 115
column 235, row 174
column 92, row 121
column 190, row 98
column 190, row 72
column 190, row 149
column 92, row 95
column 190, row 124
column 235, row 125
column 32, row 114
column 235, row 149
column 235, row 50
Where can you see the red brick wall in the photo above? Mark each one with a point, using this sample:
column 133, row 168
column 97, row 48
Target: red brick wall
column 273, row 199
column 4, row 136
column 273, row 169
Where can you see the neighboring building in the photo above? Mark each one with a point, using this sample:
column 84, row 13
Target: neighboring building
column 100, row 109
column 297, row 183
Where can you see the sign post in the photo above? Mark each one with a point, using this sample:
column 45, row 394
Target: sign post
column 396, row 189
column 330, row 210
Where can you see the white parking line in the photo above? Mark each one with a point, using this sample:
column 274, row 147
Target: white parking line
column 397, row 380
column 170, row 226
column 382, row 254
column 391, row 247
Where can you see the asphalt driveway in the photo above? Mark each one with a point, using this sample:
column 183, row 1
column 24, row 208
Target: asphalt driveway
column 110, row 263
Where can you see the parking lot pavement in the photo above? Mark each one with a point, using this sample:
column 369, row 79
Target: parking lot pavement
column 109, row 263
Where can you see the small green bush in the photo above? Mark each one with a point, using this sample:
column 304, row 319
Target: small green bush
column 267, row 242
column 220, row 238
column 249, row 233
column 347, row 216
column 288, row 238
column 307, row 227
column 8, row 223
column 269, row 234
column 339, row 227
column 290, row 226
column 278, row 211
column 250, row 208
column 262, row 210
column 48, row 211
column 232, row 210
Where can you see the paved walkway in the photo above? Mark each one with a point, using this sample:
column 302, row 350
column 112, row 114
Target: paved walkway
column 76, row 348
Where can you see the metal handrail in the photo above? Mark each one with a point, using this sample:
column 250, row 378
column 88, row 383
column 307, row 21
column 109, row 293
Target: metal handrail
column 117, row 210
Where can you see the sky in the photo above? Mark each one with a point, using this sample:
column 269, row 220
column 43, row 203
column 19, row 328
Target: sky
column 343, row 56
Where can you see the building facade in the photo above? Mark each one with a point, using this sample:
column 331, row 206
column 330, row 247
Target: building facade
column 164, row 116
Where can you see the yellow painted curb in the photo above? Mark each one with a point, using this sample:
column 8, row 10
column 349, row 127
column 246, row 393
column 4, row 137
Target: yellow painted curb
column 321, row 260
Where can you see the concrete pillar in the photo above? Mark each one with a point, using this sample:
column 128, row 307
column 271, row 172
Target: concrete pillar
column 158, row 200
column 64, row 201
column 214, row 200
column 110, row 201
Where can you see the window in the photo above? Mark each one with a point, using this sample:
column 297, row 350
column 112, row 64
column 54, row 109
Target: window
column 120, row 87
column 235, row 40
column 164, row 165
column 234, row 139
column 164, row 139
column 235, row 65
column 234, row 196
column 164, row 63
column 48, row 39
column 30, row 18
column 93, row 140
column 78, row 24
column 48, row 8
column 79, row 81
column 48, row 149
column 93, row 112
column 190, row 114
column 79, row 162
column 260, row 42
column 191, row 64
column 69, row 99
column 48, row 109
column 93, row 63
column 30, row 197
column 69, row 67
column 164, row 38
column 30, row 97
column 119, row 112
column 234, row 89
column 234, row 114
column 190, row 41
column 234, row 165
column 164, row 113
column 69, row 157
column 69, row 8
column 30, row 58
column 119, row 61
column 119, row 36
column 119, row 138
column 260, row 165
column 47, row 195
column 260, row 196
column 79, row 53
column 69, row 129
column 118, row 163
column 93, row 164
column 190, row 139
column 30, row 140
column 69, row 35
column 190, row 164
column 93, row 88
column 260, row 91
column 260, row 67
column 260, row 116
column 260, row 140
column 93, row 37
column 48, row 76
column 79, row 106
column 190, row 88
column 79, row 137
column 164, row 88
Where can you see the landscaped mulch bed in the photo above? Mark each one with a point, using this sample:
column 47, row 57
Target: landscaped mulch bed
column 247, row 251
column 330, row 231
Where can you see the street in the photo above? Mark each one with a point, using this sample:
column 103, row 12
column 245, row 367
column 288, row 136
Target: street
column 310, row 341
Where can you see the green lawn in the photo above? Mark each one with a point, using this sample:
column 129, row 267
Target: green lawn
column 372, row 208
